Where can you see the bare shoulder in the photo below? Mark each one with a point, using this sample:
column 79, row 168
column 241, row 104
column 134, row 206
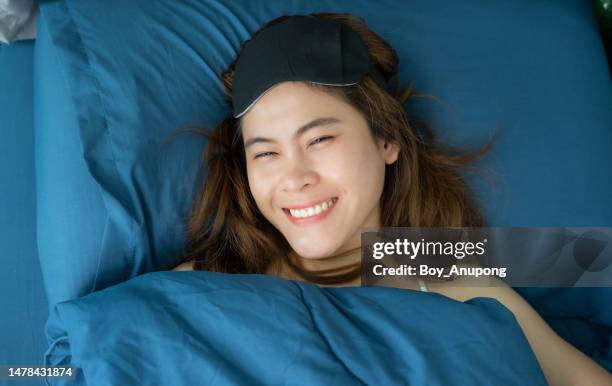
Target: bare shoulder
column 186, row 266
column 561, row 362
column 470, row 286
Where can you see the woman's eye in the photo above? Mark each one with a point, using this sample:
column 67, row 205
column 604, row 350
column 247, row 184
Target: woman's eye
column 320, row 139
column 263, row 155
column 314, row 142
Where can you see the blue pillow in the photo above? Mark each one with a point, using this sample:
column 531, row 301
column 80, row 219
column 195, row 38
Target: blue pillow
column 114, row 79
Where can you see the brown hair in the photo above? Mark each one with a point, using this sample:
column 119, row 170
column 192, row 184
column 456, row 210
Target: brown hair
column 227, row 232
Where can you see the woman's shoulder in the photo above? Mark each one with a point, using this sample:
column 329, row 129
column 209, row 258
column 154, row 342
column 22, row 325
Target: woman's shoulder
column 473, row 284
column 186, row 266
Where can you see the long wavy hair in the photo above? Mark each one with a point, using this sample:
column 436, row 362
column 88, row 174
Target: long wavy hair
column 423, row 188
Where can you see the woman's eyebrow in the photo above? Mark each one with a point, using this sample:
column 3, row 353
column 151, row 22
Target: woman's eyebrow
column 312, row 124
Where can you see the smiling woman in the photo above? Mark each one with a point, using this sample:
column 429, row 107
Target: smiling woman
column 319, row 148
column 301, row 167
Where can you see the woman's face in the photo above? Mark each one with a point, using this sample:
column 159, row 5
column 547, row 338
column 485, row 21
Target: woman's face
column 314, row 169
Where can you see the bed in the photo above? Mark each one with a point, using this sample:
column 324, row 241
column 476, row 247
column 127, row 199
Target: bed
column 99, row 187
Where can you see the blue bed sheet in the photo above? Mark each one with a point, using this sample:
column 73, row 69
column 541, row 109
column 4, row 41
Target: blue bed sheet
column 23, row 303
column 204, row 328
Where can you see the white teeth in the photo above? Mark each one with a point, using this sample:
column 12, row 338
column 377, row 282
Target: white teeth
column 313, row 210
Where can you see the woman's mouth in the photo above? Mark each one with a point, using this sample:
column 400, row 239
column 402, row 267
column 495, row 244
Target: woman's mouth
column 312, row 213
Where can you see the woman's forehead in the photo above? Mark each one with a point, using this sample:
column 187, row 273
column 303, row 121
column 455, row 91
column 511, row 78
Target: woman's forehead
column 292, row 104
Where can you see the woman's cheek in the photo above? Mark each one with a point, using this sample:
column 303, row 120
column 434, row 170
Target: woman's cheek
column 263, row 181
column 255, row 184
column 348, row 166
column 256, row 172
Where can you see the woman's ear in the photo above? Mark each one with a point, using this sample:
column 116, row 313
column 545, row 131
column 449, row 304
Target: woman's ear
column 390, row 152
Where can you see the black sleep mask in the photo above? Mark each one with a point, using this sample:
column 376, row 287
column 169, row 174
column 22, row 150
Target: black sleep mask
column 300, row 48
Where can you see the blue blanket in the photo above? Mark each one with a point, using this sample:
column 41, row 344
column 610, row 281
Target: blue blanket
column 203, row 328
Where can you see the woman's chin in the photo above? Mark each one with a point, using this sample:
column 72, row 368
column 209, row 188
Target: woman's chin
column 313, row 254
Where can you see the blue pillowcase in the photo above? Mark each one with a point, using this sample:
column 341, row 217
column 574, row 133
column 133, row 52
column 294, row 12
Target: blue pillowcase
column 115, row 79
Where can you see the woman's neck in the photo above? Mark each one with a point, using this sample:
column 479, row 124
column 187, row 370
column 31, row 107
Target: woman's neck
column 342, row 262
column 344, row 259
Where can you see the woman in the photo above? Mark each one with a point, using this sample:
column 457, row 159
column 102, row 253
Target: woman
column 319, row 148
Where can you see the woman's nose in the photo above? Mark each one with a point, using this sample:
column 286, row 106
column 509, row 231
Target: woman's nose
column 298, row 175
